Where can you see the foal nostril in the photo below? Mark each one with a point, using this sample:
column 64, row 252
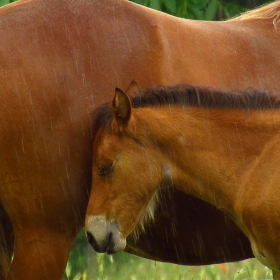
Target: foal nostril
column 109, row 237
column 111, row 244
column 104, row 236
column 90, row 238
column 93, row 243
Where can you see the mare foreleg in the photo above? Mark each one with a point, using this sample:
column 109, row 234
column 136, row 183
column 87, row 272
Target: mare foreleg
column 40, row 254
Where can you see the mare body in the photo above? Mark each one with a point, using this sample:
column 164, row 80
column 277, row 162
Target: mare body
column 59, row 60
column 220, row 147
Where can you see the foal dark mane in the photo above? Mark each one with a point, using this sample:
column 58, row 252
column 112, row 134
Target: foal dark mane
column 188, row 95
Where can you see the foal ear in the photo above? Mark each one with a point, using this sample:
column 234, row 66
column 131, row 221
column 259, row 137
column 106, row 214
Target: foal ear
column 121, row 107
column 133, row 89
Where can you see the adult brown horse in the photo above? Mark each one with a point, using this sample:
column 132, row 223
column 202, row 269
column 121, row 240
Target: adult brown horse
column 221, row 147
column 57, row 59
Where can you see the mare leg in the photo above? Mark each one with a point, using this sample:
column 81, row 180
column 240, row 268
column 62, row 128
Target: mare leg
column 40, row 254
column 6, row 243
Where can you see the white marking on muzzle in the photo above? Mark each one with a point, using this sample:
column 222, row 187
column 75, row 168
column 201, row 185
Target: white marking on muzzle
column 106, row 233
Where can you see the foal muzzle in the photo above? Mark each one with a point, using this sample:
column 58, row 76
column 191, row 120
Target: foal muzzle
column 104, row 236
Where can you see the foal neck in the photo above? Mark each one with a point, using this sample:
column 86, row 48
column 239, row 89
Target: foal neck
column 209, row 151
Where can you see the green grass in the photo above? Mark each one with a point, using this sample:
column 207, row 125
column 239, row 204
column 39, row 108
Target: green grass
column 85, row 264
column 127, row 267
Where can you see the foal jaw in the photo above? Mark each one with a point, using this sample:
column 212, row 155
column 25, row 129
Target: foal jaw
column 104, row 236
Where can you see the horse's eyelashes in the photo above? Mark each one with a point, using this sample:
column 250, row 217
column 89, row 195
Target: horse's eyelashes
column 105, row 170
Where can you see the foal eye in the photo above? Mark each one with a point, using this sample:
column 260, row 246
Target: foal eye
column 105, row 170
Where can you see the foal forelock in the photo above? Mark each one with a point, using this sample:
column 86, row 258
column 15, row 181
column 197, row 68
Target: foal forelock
column 147, row 216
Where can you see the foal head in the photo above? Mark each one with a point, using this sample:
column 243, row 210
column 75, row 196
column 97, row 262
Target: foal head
column 126, row 174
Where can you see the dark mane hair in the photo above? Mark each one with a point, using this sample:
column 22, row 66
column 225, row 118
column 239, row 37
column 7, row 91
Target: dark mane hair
column 188, row 95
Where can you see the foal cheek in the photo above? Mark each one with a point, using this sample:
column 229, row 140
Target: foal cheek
column 127, row 219
column 132, row 209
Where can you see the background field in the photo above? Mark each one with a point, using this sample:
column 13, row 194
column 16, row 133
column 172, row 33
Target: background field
column 84, row 263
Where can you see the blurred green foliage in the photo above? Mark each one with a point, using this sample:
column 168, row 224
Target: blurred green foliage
column 202, row 9
column 5, row 2
column 195, row 9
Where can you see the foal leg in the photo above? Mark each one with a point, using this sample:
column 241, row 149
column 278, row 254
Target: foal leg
column 40, row 254
column 6, row 243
